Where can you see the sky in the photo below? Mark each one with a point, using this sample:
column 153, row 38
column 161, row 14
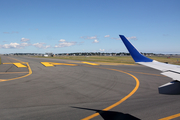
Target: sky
column 68, row 26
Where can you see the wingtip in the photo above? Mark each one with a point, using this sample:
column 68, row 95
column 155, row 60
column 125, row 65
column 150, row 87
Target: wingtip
column 136, row 55
column 121, row 36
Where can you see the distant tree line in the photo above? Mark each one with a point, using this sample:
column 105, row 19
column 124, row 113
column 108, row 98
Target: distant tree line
column 89, row 54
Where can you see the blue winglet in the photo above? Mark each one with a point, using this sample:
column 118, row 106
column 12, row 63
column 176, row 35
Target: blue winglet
column 133, row 51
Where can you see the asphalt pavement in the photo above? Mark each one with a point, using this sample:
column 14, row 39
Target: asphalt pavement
column 84, row 90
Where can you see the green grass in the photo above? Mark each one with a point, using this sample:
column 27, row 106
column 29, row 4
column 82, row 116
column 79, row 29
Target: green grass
column 109, row 59
column 115, row 59
column 171, row 60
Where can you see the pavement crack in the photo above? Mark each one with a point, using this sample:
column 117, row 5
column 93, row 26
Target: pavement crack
column 8, row 69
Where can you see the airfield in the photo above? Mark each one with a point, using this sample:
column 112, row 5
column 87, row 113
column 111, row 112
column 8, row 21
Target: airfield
column 38, row 88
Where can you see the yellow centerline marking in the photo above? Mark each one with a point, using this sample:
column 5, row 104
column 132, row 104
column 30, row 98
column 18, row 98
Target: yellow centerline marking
column 106, row 109
column 19, row 65
column 51, row 64
column 90, row 63
column 120, row 101
column 147, row 73
column 171, row 117
column 64, row 64
column 47, row 64
column 30, row 71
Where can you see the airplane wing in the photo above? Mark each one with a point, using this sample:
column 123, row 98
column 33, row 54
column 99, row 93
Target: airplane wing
column 169, row 70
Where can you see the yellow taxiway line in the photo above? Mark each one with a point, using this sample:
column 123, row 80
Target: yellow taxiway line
column 171, row 117
column 47, row 64
column 90, row 63
column 120, row 101
column 64, row 64
column 19, row 65
column 29, row 73
column 51, row 64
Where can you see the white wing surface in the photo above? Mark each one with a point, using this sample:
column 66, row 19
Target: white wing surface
column 169, row 70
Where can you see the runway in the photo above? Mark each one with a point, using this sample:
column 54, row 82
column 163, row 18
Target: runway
column 73, row 90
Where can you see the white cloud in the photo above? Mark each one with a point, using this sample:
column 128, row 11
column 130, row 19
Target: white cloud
column 11, row 45
column 107, row 36
column 87, row 37
column 132, row 38
column 95, row 41
column 62, row 40
column 24, row 44
column 65, row 44
column 102, row 50
column 41, row 45
column 129, row 38
column 47, row 46
column 24, row 39
column 14, row 45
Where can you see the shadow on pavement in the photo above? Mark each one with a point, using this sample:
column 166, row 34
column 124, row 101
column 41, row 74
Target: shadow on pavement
column 111, row 115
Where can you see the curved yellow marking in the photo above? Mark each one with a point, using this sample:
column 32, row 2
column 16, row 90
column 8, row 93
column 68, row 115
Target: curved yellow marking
column 30, row 72
column 146, row 73
column 171, row 117
column 122, row 100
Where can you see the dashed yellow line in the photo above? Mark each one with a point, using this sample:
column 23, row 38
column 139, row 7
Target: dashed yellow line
column 51, row 64
column 64, row 64
column 171, row 117
column 120, row 101
column 47, row 64
column 19, row 65
column 90, row 63
column 147, row 73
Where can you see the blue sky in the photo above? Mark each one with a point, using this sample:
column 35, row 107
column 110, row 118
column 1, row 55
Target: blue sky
column 65, row 26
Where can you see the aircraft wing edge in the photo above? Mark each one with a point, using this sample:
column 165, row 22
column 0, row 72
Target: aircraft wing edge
column 169, row 70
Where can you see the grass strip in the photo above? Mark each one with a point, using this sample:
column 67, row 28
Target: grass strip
column 116, row 59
